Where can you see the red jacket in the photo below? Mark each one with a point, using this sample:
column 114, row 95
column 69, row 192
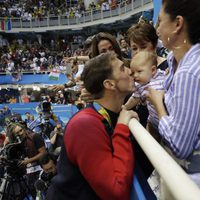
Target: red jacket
column 88, row 145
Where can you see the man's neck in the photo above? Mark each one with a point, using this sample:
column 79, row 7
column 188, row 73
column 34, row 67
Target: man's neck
column 111, row 102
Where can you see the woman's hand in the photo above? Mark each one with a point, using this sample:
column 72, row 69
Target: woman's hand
column 156, row 98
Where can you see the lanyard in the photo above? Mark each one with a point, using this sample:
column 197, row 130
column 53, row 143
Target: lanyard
column 102, row 111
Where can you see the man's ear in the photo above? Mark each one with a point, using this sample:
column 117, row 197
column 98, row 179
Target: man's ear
column 154, row 69
column 109, row 84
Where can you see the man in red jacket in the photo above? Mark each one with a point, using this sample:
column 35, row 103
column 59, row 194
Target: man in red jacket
column 97, row 159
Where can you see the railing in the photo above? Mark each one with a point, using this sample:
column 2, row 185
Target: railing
column 87, row 19
column 177, row 181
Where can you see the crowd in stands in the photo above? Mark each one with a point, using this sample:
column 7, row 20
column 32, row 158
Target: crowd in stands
column 25, row 56
column 17, row 56
column 37, row 9
column 28, row 10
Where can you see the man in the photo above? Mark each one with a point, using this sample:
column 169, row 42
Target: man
column 33, row 146
column 48, row 164
column 56, row 139
column 97, row 160
column 28, row 118
column 126, row 52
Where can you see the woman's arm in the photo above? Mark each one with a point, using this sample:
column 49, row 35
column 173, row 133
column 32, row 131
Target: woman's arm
column 180, row 126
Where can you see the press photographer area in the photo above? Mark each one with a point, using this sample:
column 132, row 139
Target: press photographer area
column 30, row 148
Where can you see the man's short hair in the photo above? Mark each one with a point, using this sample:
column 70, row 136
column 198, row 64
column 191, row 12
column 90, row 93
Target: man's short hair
column 46, row 157
column 96, row 71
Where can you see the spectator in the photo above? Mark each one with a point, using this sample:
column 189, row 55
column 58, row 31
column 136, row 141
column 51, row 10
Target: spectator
column 6, row 110
column 142, row 36
column 25, row 98
column 102, row 43
column 178, row 106
column 28, row 118
column 13, row 99
column 126, row 52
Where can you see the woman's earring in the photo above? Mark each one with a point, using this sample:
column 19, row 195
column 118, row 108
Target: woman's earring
column 185, row 41
column 168, row 39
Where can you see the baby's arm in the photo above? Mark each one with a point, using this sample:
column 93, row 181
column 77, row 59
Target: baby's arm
column 132, row 102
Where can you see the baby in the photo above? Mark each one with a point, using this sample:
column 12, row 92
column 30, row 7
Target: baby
column 145, row 74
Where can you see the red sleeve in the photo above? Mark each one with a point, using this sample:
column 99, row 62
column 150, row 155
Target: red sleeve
column 109, row 172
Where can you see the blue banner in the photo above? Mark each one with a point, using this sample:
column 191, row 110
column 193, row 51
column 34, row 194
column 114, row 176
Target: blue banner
column 33, row 79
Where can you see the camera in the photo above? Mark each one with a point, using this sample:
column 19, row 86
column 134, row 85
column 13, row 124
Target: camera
column 45, row 107
column 13, row 184
column 13, row 118
column 11, row 155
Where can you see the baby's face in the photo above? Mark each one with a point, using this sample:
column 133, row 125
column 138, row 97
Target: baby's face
column 142, row 74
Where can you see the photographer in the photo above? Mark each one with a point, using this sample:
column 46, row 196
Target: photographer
column 48, row 164
column 56, row 139
column 47, row 117
column 34, row 148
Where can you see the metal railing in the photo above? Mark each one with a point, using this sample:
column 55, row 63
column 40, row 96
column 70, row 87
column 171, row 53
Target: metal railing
column 87, row 18
column 175, row 178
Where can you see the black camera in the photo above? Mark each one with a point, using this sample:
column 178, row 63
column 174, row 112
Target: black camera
column 44, row 181
column 12, row 154
column 45, row 106
column 13, row 118
column 46, row 110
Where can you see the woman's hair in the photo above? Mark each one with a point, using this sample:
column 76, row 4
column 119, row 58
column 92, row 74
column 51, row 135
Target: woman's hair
column 105, row 36
column 10, row 131
column 190, row 11
column 142, row 32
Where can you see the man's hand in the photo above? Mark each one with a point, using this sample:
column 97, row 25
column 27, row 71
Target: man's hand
column 66, row 60
column 56, row 88
column 126, row 115
column 24, row 162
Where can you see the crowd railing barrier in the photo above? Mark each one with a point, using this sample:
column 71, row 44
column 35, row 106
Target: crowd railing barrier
column 177, row 181
column 87, row 19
